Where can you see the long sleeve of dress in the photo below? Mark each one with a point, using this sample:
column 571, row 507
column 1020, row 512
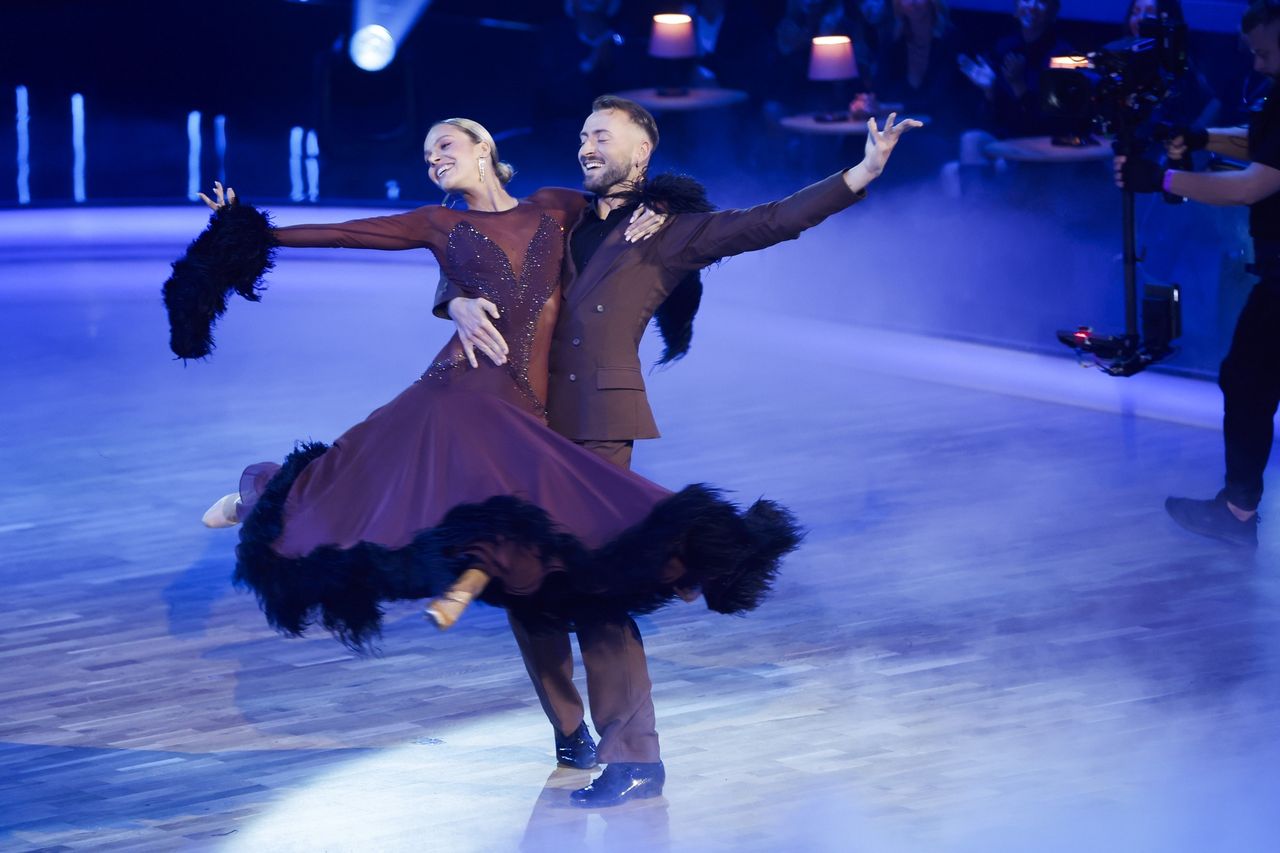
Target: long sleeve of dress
column 417, row 229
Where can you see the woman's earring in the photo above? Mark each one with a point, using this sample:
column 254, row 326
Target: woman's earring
column 482, row 159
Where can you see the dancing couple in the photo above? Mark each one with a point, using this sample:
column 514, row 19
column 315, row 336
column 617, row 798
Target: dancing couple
column 503, row 473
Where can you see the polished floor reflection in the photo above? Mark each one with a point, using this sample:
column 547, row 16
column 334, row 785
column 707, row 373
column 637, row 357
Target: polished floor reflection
column 992, row 639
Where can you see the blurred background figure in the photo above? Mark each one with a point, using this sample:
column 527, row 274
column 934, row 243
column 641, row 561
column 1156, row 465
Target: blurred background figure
column 593, row 22
column 1009, row 79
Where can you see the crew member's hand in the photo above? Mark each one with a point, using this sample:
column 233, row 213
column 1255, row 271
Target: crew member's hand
column 475, row 331
column 644, row 224
column 978, row 71
column 880, row 144
column 222, row 200
column 1191, row 138
column 1138, row 174
column 1176, row 148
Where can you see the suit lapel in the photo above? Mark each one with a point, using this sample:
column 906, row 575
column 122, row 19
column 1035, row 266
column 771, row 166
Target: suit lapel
column 599, row 267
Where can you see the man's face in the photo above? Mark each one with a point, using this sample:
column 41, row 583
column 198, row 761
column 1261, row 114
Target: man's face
column 1264, row 44
column 1032, row 14
column 613, row 150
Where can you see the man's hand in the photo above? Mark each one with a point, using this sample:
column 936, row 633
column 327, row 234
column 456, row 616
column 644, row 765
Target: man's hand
column 1139, row 175
column 471, row 316
column 880, row 144
column 1015, row 73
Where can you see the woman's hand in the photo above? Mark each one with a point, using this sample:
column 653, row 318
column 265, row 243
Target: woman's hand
column 222, row 200
column 644, row 224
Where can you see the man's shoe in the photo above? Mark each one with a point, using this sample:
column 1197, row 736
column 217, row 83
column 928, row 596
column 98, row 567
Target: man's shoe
column 1213, row 518
column 576, row 750
column 621, row 783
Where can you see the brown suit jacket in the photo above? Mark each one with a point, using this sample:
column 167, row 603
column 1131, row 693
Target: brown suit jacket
column 597, row 390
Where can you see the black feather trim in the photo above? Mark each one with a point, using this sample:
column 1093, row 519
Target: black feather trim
column 231, row 255
column 732, row 556
column 672, row 193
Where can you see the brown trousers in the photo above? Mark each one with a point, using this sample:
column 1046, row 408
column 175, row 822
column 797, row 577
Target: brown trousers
column 618, row 686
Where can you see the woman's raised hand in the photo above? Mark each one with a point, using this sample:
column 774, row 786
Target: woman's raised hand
column 223, row 200
column 644, row 224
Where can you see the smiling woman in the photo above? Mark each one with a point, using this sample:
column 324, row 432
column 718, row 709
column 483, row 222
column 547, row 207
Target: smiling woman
column 461, row 155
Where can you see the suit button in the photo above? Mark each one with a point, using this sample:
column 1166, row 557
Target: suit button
column 577, row 342
column 573, row 377
column 599, row 309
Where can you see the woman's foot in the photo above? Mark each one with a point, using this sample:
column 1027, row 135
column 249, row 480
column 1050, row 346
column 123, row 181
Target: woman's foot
column 224, row 512
column 446, row 609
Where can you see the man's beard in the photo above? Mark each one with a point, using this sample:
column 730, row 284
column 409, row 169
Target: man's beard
column 604, row 178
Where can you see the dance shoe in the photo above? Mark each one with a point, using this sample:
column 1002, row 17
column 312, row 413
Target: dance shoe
column 621, row 783
column 446, row 609
column 577, row 749
column 1213, row 518
column 223, row 512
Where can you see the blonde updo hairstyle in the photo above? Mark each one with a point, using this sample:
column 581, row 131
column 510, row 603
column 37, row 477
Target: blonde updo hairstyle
column 478, row 134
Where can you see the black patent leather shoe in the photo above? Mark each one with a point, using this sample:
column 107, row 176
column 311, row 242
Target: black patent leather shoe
column 621, row 783
column 576, row 750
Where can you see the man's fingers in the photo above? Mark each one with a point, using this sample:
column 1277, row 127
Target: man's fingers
column 490, row 335
column 469, row 352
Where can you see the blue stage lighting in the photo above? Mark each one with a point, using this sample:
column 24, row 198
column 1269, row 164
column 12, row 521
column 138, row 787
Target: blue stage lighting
column 372, row 47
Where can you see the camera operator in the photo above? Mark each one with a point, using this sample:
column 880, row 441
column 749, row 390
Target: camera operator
column 1250, row 374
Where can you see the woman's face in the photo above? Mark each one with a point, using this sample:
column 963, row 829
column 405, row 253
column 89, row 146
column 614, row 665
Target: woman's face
column 1139, row 10
column 452, row 158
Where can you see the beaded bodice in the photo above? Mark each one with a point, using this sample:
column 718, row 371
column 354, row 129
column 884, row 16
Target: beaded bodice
column 513, row 258
column 521, row 289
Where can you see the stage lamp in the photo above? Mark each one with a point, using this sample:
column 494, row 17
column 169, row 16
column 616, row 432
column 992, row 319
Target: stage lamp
column 372, row 47
column 831, row 60
column 672, row 40
column 672, row 37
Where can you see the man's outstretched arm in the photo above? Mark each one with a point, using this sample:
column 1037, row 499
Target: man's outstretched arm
column 693, row 241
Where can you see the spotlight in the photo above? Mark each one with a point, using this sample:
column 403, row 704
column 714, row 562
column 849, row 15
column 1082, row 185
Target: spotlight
column 372, row 47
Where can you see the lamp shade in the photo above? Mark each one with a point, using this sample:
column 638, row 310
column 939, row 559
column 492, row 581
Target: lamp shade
column 831, row 58
column 672, row 37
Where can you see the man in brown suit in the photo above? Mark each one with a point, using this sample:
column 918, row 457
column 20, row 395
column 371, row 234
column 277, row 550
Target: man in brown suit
column 597, row 396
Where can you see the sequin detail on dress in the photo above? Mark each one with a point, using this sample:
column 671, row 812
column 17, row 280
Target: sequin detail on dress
column 519, row 301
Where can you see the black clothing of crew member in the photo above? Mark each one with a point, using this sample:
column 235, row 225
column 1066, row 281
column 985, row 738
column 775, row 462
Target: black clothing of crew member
column 1250, row 374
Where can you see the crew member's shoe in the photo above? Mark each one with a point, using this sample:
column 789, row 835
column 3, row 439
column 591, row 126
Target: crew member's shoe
column 576, row 750
column 224, row 512
column 620, row 783
column 1213, row 518
column 446, row 609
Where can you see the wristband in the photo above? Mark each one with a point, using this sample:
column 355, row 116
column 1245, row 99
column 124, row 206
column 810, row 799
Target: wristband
column 1167, row 183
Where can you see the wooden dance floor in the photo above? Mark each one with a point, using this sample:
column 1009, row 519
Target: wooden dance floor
column 992, row 640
